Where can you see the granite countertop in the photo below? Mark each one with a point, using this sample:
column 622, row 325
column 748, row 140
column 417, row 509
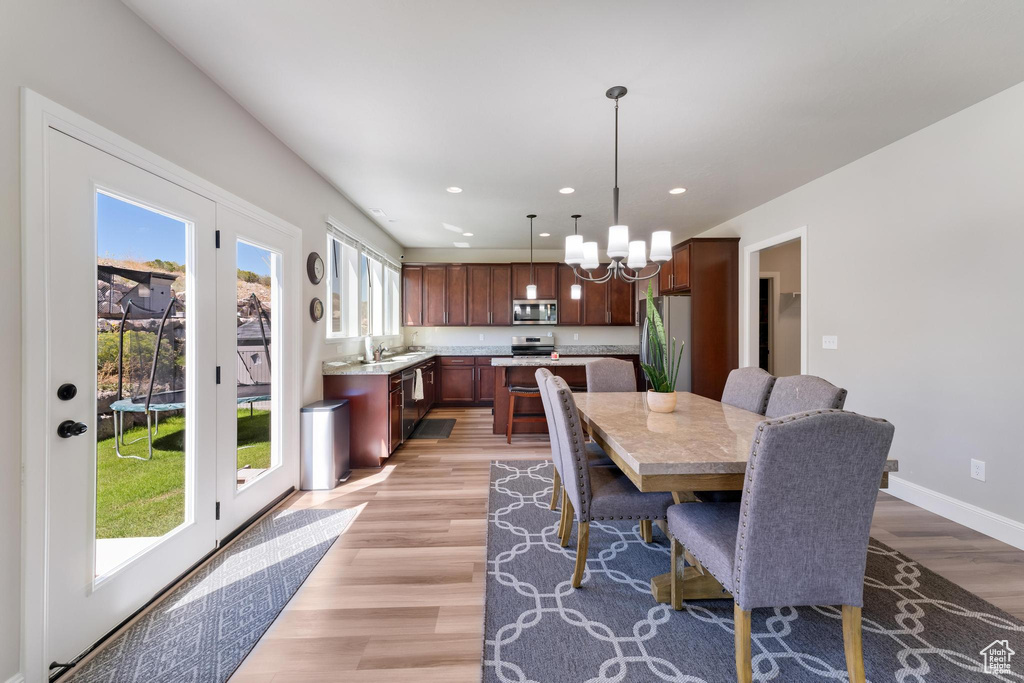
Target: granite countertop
column 386, row 367
column 542, row 361
column 407, row 359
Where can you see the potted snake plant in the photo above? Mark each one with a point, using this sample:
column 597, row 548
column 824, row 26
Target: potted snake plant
column 665, row 358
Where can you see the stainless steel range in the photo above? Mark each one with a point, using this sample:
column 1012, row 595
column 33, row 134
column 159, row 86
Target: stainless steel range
column 532, row 346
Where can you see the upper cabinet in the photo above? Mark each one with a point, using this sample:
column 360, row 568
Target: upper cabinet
column 545, row 276
column 674, row 277
column 490, row 295
column 444, row 295
column 412, row 296
column 570, row 311
column 480, row 295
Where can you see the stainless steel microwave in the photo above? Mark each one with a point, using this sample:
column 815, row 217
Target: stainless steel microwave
column 534, row 312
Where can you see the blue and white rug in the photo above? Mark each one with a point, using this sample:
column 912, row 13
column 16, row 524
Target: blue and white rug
column 203, row 630
column 918, row 627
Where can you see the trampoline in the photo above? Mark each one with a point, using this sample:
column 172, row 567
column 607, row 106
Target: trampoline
column 151, row 367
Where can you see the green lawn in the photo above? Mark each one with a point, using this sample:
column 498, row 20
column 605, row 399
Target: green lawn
column 147, row 497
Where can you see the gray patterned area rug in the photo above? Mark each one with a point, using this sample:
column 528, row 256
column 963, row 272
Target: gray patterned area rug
column 203, row 630
column 918, row 627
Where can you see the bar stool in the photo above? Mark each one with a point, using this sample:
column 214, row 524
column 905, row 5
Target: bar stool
column 520, row 392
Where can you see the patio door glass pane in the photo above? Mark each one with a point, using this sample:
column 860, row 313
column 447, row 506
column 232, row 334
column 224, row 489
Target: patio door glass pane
column 141, row 359
column 257, row 368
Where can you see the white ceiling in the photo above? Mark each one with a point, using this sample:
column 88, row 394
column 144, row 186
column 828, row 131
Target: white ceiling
column 393, row 101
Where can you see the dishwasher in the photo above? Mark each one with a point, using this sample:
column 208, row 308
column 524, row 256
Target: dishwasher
column 409, row 408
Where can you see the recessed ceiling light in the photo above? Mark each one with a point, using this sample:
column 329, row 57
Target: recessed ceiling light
column 392, row 220
column 677, row 190
column 544, row 234
column 454, row 190
column 461, row 245
column 379, row 213
column 567, row 190
column 467, row 234
column 452, row 228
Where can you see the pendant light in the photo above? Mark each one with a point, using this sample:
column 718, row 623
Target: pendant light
column 531, row 289
column 625, row 254
column 576, row 291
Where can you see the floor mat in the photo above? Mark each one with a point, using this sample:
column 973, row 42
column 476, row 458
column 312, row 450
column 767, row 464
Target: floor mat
column 433, row 429
column 204, row 628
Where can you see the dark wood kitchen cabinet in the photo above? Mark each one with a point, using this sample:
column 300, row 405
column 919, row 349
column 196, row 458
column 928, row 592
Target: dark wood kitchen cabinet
column 490, row 295
column 608, row 303
column 458, row 380
column 595, row 300
column 484, row 380
column 570, row 311
column 675, row 275
column 444, row 296
column 395, row 416
column 544, row 274
column 412, row 296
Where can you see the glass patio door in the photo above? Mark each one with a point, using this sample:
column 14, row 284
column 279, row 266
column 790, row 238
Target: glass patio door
column 257, row 396
column 131, row 491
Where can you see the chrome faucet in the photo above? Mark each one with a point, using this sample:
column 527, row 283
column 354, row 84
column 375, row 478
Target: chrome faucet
column 378, row 353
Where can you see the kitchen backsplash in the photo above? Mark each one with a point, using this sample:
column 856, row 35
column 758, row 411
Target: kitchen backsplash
column 502, row 336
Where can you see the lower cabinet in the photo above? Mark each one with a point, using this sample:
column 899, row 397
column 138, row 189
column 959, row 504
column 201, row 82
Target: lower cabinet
column 466, row 381
column 394, row 418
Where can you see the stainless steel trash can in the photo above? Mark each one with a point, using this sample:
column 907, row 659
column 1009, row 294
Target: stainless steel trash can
column 325, row 444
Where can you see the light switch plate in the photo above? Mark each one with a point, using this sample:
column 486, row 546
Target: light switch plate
column 830, row 341
column 978, row 469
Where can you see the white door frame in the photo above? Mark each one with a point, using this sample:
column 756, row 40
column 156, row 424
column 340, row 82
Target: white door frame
column 37, row 115
column 751, row 277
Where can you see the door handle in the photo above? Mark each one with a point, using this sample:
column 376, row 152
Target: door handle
column 70, row 428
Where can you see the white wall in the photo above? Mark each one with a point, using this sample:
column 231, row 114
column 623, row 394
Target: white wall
column 97, row 58
column 784, row 259
column 914, row 261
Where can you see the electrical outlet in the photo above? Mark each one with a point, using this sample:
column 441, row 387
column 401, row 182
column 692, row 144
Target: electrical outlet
column 978, row 469
column 575, row 336
column 481, row 337
column 550, row 335
column 830, row 341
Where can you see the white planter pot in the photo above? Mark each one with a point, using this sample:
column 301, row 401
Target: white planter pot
column 661, row 402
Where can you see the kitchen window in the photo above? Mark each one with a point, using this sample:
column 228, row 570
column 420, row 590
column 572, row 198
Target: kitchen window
column 363, row 289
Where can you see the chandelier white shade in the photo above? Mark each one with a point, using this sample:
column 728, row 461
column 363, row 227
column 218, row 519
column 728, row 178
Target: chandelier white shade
column 618, row 242
column 574, row 249
column 661, row 246
column 590, row 259
column 637, row 259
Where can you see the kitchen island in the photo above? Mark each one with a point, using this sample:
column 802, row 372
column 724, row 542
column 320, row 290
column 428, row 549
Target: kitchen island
column 520, row 371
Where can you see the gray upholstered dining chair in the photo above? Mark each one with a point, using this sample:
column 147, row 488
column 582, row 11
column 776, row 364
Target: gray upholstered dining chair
column 610, row 374
column 748, row 388
column 595, row 454
column 800, row 534
column 801, row 393
column 592, row 493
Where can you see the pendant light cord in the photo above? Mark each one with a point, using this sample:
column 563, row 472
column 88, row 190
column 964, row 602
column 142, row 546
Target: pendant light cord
column 615, row 192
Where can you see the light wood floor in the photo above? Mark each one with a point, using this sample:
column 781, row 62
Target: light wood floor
column 399, row 597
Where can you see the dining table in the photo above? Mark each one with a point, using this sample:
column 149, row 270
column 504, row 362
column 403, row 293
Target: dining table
column 703, row 445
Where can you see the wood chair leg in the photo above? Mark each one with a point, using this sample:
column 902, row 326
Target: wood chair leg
column 647, row 530
column 511, row 412
column 556, row 488
column 741, row 617
column 582, row 544
column 852, row 643
column 565, row 527
column 677, row 575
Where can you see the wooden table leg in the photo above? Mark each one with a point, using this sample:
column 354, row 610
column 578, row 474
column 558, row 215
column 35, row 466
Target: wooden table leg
column 697, row 584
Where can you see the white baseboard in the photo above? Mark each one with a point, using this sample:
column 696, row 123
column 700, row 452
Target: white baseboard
column 16, row 678
column 971, row 516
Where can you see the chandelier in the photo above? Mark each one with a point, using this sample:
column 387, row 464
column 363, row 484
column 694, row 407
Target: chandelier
column 628, row 258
